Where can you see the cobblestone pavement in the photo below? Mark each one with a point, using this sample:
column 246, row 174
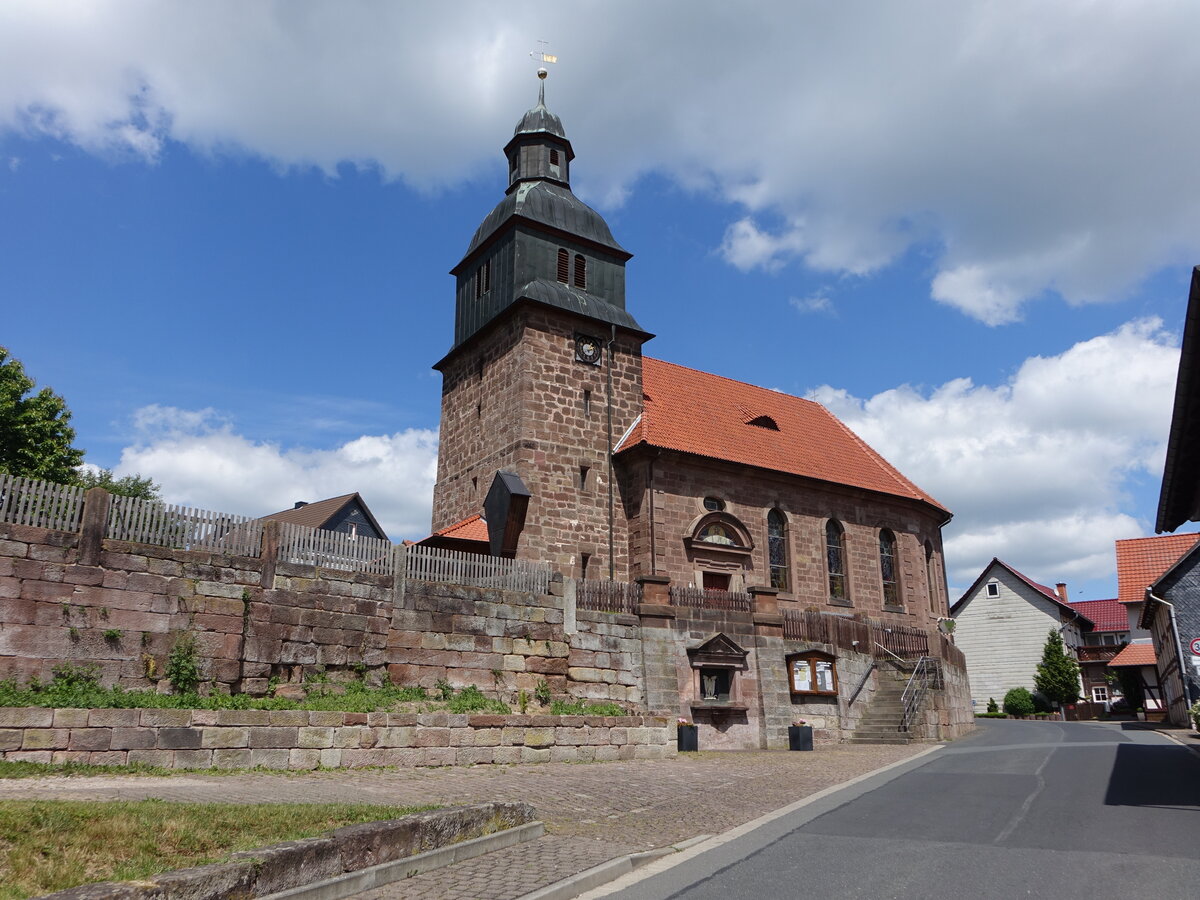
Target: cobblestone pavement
column 592, row 811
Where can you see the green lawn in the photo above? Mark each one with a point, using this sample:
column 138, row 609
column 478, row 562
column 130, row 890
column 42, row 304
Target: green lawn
column 51, row 845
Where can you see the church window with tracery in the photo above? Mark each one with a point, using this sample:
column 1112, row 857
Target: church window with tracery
column 887, row 568
column 777, row 549
column 835, row 561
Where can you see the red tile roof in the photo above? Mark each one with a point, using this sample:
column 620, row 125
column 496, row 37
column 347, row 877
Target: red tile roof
column 707, row 415
column 1109, row 615
column 1135, row 655
column 1142, row 561
column 472, row 528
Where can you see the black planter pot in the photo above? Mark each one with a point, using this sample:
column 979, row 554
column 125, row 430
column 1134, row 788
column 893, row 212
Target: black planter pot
column 687, row 738
column 800, row 737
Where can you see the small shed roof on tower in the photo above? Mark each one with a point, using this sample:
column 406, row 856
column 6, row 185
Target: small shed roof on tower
column 708, row 415
column 1142, row 561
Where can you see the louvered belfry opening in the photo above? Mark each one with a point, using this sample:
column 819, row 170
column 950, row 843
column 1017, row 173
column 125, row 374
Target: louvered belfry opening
column 564, row 266
column 580, row 272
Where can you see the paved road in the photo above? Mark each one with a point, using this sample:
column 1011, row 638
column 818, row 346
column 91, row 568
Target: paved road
column 1021, row 809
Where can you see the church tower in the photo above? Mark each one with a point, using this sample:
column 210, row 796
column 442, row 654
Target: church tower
column 545, row 373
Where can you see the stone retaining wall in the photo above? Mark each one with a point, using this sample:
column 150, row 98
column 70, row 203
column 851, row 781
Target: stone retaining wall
column 306, row 739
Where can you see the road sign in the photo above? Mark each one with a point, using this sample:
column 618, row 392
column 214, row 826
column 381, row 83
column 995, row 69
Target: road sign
column 1196, row 646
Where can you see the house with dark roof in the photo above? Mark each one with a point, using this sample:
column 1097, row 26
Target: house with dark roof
column 1158, row 580
column 1001, row 625
column 348, row 514
column 639, row 467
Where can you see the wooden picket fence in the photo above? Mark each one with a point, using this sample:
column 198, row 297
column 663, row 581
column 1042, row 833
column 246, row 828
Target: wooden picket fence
column 698, row 598
column 860, row 635
column 169, row 525
column 475, row 570
column 335, row 550
column 608, row 596
column 42, row 504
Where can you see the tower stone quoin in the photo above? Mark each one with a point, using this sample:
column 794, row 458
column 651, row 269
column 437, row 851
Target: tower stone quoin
column 545, row 372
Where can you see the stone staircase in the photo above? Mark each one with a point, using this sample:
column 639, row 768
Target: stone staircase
column 880, row 724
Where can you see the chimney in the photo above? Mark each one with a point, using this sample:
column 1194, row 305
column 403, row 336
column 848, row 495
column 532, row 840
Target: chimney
column 300, row 503
column 1061, row 590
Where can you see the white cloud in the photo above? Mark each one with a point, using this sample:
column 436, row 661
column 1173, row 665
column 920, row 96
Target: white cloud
column 1036, row 470
column 816, row 304
column 201, row 461
column 1031, row 147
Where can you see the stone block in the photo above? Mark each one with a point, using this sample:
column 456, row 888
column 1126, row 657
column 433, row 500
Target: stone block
column 514, row 663
column 222, row 738
column 231, row 759
column 264, row 738
column 193, row 759
column 304, row 758
column 25, row 717
column 325, row 718
column 473, row 756
column 160, row 759
column 534, row 755
column 331, row 758
column 270, row 758
column 432, row 737
column 437, row 756
column 295, row 717
column 46, row 739
column 70, row 718
column 315, row 738
column 243, row 717
column 90, row 739
column 10, row 738
column 487, row 737
column 132, row 739
column 173, row 718
column 217, row 589
column 539, row 737
column 180, row 738
column 348, row 737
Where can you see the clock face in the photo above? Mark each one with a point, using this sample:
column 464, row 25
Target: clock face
column 587, row 349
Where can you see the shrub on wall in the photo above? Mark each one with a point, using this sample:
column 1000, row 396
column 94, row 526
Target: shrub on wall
column 1019, row 702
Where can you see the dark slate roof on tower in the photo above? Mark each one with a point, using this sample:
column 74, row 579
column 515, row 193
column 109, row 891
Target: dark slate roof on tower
column 552, row 205
column 540, row 119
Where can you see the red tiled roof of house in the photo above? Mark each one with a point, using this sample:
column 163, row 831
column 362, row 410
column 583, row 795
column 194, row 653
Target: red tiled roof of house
column 1108, row 615
column 1142, row 561
column 1048, row 592
column 472, row 528
column 708, row 415
column 1135, row 655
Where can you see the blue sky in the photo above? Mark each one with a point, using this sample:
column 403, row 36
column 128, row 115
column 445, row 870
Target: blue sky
column 226, row 231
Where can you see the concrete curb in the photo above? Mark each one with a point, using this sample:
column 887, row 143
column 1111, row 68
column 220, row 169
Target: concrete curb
column 385, row 873
column 586, row 885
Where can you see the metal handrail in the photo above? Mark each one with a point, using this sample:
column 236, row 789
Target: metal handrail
column 900, row 659
column 915, row 691
column 862, row 683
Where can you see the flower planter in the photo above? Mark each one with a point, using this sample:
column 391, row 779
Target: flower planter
column 687, row 738
column 800, row 737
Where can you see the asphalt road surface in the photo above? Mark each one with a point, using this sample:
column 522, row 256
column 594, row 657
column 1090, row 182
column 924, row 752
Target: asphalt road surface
column 1020, row 809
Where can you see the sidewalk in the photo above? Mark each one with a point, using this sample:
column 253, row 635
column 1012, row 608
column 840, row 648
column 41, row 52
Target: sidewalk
column 593, row 811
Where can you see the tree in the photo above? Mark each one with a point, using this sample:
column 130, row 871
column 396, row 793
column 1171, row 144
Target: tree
column 127, row 485
column 1057, row 675
column 1018, row 702
column 35, row 432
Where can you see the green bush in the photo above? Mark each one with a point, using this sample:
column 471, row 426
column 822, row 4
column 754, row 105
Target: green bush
column 1019, row 702
column 183, row 665
column 993, row 706
column 1195, row 711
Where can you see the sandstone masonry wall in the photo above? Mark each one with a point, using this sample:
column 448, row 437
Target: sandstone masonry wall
column 304, row 739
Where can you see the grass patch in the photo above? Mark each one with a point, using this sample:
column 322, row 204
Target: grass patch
column 583, row 708
column 52, row 845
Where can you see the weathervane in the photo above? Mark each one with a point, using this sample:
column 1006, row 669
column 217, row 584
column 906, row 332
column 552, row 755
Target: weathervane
column 542, row 56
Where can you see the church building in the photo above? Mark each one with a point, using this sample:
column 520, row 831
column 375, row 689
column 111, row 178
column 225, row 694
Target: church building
column 634, row 466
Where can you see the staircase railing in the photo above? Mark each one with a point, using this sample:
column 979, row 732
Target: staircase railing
column 916, row 689
column 862, row 683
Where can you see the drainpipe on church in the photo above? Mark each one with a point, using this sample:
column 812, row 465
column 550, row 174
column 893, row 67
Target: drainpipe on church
column 612, row 341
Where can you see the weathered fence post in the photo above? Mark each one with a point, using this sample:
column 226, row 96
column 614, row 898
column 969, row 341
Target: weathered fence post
column 270, row 554
column 91, row 532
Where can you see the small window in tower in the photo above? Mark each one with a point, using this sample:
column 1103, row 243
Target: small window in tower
column 479, row 410
column 487, row 276
column 564, row 266
column 512, row 167
column 580, row 272
column 584, row 559
column 553, row 157
column 583, row 477
column 587, row 404
column 474, row 483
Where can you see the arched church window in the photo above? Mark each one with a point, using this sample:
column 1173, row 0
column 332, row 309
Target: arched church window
column 564, row 266
column 777, row 549
column 887, row 568
column 931, row 577
column 580, row 272
column 835, row 561
column 717, row 533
